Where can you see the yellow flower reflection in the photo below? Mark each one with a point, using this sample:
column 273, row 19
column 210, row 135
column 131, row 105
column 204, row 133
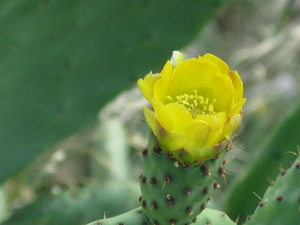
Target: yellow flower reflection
column 196, row 106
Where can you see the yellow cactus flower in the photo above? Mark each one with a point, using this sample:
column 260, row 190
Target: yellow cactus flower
column 196, row 106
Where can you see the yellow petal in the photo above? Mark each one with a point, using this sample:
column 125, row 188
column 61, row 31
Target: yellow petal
column 223, row 67
column 237, row 84
column 151, row 79
column 144, row 89
column 223, row 92
column 163, row 115
column 232, row 125
column 197, row 133
column 171, row 140
column 193, row 74
column 146, row 85
column 162, row 85
column 167, row 70
column 182, row 118
column 237, row 108
column 217, row 131
column 151, row 120
column 206, row 118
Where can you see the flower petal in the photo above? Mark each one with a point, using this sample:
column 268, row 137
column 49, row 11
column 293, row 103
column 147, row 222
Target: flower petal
column 217, row 131
column 171, row 140
column 193, row 74
column 232, row 125
column 146, row 85
column 197, row 133
column 223, row 67
column 237, row 85
column 163, row 115
column 182, row 118
column 151, row 120
column 223, row 92
column 237, row 108
column 162, row 85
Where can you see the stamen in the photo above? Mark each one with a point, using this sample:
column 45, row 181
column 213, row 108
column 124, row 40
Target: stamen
column 170, row 98
column 195, row 104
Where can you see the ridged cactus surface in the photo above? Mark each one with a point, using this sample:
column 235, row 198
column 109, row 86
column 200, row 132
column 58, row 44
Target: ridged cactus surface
column 281, row 202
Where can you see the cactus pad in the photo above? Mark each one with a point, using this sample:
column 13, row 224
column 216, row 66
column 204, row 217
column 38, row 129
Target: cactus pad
column 133, row 217
column 281, row 202
column 173, row 194
column 137, row 217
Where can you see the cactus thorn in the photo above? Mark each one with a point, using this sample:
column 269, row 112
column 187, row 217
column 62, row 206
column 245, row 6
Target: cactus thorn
column 168, row 179
column 271, row 181
column 156, row 149
column 279, row 198
column 187, row 191
column 222, row 171
column 224, row 162
column 205, row 170
column 261, row 204
column 152, row 180
column 145, row 151
column 143, row 179
column 205, row 191
column 216, row 185
column 203, row 206
column 189, row 210
column 172, row 222
column 153, row 205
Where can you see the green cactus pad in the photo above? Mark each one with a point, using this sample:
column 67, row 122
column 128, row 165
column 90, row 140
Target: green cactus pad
column 137, row 217
column 281, row 202
column 133, row 217
column 273, row 151
column 173, row 194
column 213, row 217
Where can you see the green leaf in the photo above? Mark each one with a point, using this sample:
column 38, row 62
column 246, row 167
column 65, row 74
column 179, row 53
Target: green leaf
column 62, row 60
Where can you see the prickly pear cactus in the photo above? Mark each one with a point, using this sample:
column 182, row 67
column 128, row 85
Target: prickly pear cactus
column 281, row 202
column 137, row 217
column 213, row 217
column 173, row 194
column 133, row 217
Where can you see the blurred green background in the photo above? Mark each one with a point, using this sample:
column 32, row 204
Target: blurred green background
column 71, row 125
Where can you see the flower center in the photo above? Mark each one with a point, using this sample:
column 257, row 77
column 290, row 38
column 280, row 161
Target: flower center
column 196, row 104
